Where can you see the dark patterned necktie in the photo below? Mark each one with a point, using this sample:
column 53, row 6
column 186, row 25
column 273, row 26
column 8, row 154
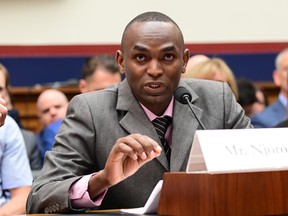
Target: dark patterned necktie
column 161, row 124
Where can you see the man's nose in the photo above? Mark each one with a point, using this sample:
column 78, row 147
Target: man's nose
column 154, row 68
column 53, row 111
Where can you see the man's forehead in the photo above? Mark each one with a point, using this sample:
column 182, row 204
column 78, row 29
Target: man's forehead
column 151, row 31
column 51, row 104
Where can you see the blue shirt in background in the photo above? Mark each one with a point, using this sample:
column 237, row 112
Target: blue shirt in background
column 14, row 164
column 45, row 139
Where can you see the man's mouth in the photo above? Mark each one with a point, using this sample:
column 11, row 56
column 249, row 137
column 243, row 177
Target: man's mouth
column 155, row 88
column 154, row 85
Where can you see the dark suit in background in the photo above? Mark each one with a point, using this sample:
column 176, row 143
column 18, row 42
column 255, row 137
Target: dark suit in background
column 15, row 115
column 32, row 151
column 282, row 124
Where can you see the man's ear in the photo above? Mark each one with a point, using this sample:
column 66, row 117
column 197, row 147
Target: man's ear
column 82, row 85
column 276, row 78
column 120, row 60
column 186, row 56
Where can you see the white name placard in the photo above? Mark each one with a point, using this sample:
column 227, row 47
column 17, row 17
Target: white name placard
column 239, row 150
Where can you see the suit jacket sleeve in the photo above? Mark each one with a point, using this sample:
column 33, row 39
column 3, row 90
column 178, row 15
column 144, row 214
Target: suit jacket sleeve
column 70, row 159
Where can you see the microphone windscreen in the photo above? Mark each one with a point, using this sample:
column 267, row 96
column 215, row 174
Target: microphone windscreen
column 181, row 94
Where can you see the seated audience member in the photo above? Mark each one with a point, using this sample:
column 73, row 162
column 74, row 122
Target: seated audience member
column 251, row 98
column 282, row 124
column 15, row 173
column 3, row 110
column 247, row 95
column 32, row 151
column 194, row 60
column 4, row 90
column 108, row 153
column 29, row 136
column 277, row 111
column 262, row 101
column 215, row 69
column 98, row 73
column 51, row 107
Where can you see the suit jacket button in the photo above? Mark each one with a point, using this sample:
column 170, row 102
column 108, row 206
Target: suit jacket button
column 54, row 208
column 47, row 210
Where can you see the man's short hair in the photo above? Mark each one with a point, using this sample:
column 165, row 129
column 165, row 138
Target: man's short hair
column 151, row 16
column 104, row 60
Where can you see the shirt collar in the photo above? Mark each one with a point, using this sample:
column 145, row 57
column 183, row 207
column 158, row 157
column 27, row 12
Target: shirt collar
column 168, row 111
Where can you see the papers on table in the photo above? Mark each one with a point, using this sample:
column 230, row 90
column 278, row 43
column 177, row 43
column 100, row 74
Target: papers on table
column 151, row 205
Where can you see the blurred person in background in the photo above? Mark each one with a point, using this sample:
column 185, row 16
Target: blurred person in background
column 214, row 69
column 251, row 98
column 262, row 101
column 276, row 112
column 4, row 90
column 99, row 72
column 29, row 136
column 194, row 60
column 15, row 173
column 51, row 107
column 3, row 110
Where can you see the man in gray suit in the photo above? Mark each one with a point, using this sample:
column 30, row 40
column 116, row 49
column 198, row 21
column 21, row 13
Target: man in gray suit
column 107, row 153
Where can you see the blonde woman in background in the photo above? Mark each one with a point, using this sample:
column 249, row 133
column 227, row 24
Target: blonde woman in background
column 195, row 60
column 213, row 69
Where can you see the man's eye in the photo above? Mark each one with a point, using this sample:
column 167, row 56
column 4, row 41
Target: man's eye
column 140, row 57
column 45, row 111
column 168, row 57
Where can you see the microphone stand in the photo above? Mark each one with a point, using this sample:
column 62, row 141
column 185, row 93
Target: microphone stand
column 186, row 98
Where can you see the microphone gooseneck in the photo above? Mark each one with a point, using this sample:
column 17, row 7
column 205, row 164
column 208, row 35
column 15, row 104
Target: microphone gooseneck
column 184, row 96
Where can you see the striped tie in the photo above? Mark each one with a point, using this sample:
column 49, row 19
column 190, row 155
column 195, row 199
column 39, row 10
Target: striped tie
column 161, row 124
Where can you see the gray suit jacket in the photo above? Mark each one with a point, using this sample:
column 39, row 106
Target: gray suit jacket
column 96, row 120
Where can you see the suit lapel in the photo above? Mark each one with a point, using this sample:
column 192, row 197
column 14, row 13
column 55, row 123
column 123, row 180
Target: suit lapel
column 184, row 127
column 134, row 119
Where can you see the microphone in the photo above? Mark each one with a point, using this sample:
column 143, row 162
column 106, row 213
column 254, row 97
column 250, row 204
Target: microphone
column 183, row 96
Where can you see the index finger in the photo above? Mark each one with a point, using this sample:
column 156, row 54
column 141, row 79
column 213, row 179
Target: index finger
column 146, row 146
